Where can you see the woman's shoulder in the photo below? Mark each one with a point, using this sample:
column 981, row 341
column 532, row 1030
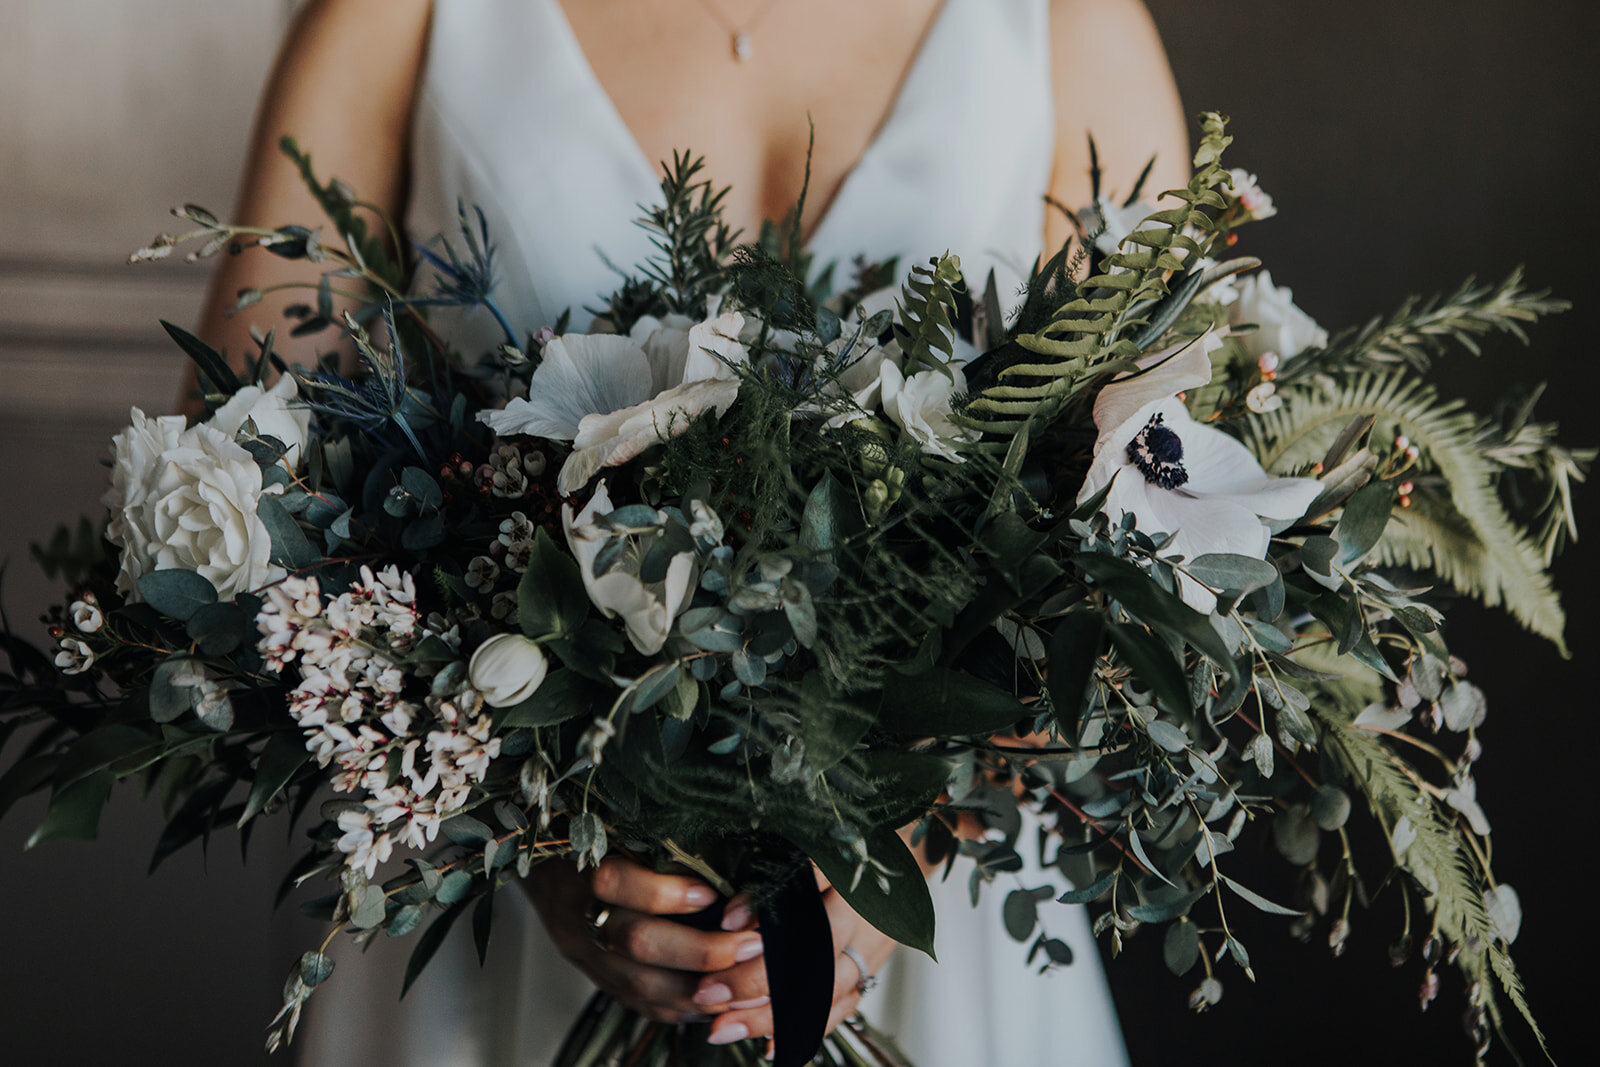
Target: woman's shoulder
column 1112, row 81
column 346, row 79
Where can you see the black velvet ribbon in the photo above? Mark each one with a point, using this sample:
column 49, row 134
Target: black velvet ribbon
column 797, row 944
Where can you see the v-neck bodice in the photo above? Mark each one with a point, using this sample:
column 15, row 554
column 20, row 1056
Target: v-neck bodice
column 512, row 118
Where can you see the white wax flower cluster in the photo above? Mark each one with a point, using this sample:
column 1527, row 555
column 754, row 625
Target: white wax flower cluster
column 187, row 498
column 350, row 702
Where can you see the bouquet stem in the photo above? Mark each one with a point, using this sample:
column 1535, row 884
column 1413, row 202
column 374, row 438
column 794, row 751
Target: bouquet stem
column 610, row 1034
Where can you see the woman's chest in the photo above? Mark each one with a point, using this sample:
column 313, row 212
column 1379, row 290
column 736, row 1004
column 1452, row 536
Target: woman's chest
column 670, row 70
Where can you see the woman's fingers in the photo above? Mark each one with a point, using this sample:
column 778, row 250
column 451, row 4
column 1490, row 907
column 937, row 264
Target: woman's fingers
column 748, row 981
column 667, row 943
column 755, row 1020
column 624, row 883
column 662, row 994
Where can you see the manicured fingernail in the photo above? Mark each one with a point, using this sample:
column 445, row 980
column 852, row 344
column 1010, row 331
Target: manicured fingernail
column 729, row 1034
column 772, row 1052
column 716, row 993
column 746, row 1005
column 699, row 896
column 748, row 951
column 736, row 918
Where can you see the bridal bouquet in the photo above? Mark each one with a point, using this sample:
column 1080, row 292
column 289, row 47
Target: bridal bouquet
column 757, row 574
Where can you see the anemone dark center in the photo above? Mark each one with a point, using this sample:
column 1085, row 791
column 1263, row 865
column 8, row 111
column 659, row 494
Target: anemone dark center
column 1157, row 451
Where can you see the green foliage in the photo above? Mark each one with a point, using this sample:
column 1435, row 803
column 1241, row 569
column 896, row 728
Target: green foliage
column 342, row 207
column 690, row 238
column 1093, row 329
column 1450, row 870
column 927, row 301
column 1420, row 331
column 1466, row 537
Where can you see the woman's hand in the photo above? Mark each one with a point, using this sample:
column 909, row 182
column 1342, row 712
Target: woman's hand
column 640, row 956
column 741, row 995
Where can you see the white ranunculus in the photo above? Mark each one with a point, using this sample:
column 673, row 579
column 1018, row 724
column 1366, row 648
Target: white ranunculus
column 1179, row 477
column 273, row 415
column 920, row 405
column 647, row 611
column 187, row 499
column 1284, row 329
column 613, row 398
column 507, row 669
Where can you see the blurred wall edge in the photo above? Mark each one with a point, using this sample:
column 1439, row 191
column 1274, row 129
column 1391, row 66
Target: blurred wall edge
column 111, row 112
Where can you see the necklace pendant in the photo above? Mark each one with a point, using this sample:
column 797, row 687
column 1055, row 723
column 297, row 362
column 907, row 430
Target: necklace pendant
column 742, row 47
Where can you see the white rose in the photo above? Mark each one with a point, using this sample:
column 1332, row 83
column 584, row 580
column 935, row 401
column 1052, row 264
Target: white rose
column 272, row 414
column 1284, row 329
column 187, row 499
column 920, row 405
column 507, row 669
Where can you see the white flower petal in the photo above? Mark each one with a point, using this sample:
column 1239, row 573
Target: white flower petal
column 1505, row 911
column 713, row 345
column 1120, row 402
column 581, row 374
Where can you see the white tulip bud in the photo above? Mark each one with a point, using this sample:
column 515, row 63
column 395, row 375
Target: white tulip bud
column 507, row 669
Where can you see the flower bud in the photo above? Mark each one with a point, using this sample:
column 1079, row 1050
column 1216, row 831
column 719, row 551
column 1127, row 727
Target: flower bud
column 86, row 616
column 507, row 669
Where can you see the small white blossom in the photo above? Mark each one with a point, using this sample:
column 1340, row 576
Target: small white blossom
column 1255, row 200
column 86, row 616
column 482, row 572
column 75, row 656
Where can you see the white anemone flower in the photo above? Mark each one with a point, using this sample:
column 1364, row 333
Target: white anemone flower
column 647, row 611
column 613, row 398
column 1183, row 478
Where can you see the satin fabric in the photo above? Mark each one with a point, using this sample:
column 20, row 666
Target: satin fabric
column 512, row 119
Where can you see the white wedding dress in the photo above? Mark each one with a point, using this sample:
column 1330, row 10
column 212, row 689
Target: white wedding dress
column 512, row 118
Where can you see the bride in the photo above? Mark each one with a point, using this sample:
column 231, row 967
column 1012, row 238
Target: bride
column 938, row 125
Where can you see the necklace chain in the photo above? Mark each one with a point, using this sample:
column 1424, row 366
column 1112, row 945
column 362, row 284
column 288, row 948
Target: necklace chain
column 739, row 37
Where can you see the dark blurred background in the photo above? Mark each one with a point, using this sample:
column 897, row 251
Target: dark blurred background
column 1407, row 144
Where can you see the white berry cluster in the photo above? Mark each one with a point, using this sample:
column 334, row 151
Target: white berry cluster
column 358, row 721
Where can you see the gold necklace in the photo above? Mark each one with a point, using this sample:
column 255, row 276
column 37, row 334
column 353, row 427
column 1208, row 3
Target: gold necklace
column 739, row 37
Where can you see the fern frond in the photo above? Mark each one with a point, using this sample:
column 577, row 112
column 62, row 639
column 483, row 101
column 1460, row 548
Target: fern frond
column 927, row 304
column 1537, row 471
column 1482, row 551
column 1446, row 866
column 1096, row 323
column 1422, row 330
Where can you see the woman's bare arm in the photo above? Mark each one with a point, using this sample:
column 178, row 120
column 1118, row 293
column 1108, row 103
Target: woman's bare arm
column 1112, row 80
column 344, row 85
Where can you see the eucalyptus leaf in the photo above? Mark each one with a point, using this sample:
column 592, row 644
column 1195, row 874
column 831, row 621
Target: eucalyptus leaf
column 551, row 598
column 943, row 702
column 176, row 593
column 1180, row 948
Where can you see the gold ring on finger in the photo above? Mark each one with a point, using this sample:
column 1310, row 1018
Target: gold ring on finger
column 597, row 925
